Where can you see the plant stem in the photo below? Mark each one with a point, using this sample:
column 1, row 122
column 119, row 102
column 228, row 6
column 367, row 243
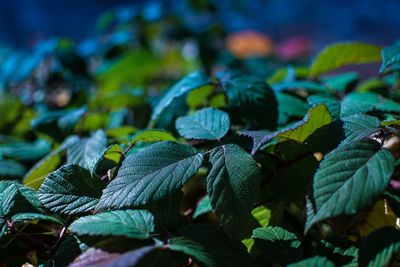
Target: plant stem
column 59, row 240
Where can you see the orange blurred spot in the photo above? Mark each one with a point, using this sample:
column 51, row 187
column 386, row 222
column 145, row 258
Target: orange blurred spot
column 249, row 43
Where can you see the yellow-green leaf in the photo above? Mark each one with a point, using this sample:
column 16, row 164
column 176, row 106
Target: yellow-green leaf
column 341, row 54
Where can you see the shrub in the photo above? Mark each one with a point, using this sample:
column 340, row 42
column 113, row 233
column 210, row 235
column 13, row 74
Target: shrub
column 228, row 170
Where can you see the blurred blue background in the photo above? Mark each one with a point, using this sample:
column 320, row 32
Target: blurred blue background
column 23, row 22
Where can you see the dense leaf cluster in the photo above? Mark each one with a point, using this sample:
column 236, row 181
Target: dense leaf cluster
column 223, row 168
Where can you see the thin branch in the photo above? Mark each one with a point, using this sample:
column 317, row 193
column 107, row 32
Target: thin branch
column 59, row 240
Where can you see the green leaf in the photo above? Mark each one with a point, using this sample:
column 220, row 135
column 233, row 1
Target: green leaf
column 199, row 97
column 233, row 181
column 108, row 159
column 93, row 121
column 194, row 249
column 359, row 126
column 218, row 101
column 306, row 85
column 373, row 84
column 330, row 102
column 315, row 118
column 167, row 118
column 390, row 120
column 27, row 200
column 56, row 123
column 209, row 245
column 11, row 169
column 121, row 134
column 349, row 179
column 251, row 98
column 123, row 98
column 189, row 83
column 341, row 54
column 10, row 108
column 7, row 197
column 16, row 198
column 203, row 206
column 340, row 82
column 117, row 118
column 122, row 72
column 275, row 245
column 390, row 58
column 28, row 216
column 208, row 123
column 152, row 135
column 70, row 190
column 36, row 175
column 262, row 215
column 379, row 247
column 259, row 138
column 341, row 251
column 364, row 102
column 293, row 182
column 45, row 119
column 290, row 107
column 25, row 151
column 167, row 212
column 151, row 174
column 341, row 131
column 316, row 261
column 87, row 151
column 288, row 73
column 136, row 224
column 71, row 118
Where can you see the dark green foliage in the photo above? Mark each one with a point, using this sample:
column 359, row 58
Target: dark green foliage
column 151, row 175
column 210, row 246
column 282, row 245
column 70, row 190
column 128, row 154
column 233, row 183
column 209, row 123
column 130, row 223
column 348, row 179
column 252, row 98
column 379, row 247
column 313, row 262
